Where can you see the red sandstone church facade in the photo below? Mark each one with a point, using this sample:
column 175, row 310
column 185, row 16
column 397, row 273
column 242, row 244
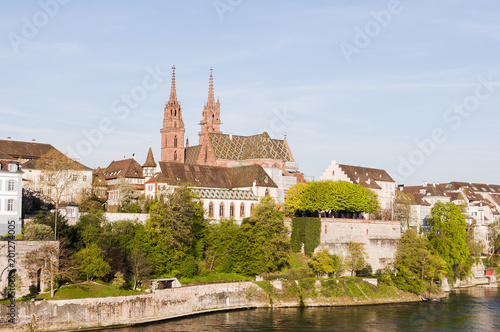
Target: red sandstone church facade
column 217, row 149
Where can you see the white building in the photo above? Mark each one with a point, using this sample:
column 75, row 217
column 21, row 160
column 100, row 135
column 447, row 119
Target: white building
column 11, row 188
column 28, row 153
column 375, row 179
column 225, row 192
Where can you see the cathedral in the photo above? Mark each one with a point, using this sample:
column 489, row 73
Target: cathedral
column 226, row 150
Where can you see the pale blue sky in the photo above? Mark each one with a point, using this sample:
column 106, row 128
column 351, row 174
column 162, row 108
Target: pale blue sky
column 278, row 65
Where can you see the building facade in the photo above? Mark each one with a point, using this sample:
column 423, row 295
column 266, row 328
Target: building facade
column 375, row 179
column 224, row 192
column 11, row 189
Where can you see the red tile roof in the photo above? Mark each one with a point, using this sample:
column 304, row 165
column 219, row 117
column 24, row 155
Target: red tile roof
column 202, row 176
column 366, row 176
column 127, row 168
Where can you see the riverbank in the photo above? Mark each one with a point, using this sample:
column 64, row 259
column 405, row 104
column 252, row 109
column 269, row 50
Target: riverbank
column 92, row 313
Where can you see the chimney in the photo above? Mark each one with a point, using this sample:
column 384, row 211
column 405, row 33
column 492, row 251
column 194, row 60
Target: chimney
column 231, row 136
column 9, row 138
column 424, row 183
column 33, row 140
column 133, row 156
column 77, row 160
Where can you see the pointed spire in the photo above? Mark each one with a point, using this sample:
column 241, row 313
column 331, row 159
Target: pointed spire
column 211, row 98
column 150, row 160
column 173, row 94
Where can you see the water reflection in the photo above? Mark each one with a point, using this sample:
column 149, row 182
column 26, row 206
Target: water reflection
column 474, row 309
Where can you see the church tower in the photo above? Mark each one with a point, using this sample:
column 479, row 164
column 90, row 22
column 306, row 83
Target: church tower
column 172, row 133
column 211, row 113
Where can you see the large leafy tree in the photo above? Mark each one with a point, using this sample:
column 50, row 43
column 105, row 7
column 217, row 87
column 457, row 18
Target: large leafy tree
column 91, row 262
column 415, row 263
column 174, row 228
column 267, row 245
column 447, row 238
column 332, row 196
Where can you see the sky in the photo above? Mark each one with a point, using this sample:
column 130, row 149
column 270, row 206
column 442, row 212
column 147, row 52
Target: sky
column 412, row 87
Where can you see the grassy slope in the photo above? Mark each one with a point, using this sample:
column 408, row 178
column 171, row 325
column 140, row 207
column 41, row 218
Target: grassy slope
column 84, row 290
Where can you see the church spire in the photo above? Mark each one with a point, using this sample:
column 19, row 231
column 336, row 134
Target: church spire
column 173, row 94
column 172, row 133
column 211, row 113
column 211, row 98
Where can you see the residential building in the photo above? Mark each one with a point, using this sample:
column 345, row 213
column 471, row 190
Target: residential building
column 11, row 188
column 119, row 176
column 74, row 180
column 375, row 179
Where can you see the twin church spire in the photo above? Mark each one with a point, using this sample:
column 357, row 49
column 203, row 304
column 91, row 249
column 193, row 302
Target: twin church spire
column 172, row 133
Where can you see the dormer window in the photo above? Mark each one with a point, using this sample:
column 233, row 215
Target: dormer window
column 12, row 168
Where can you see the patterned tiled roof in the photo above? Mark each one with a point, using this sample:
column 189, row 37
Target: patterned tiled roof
column 209, row 193
column 192, row 153
column 201, row 176
column 234, row 147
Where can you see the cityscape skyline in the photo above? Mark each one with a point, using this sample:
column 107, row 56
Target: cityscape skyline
column 409, row 88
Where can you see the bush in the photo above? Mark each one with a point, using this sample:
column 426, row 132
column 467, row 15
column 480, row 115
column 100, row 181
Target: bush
column 366, row 272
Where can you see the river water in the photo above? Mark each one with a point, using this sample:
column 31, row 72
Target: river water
column 473, row 309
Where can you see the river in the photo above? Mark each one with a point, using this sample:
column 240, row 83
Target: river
column 472, row 309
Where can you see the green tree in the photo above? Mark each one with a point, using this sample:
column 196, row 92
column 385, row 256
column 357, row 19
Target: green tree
column 447, row 239
column 332, row 196
column 294, row 196
column 323, row 262
column 356, row 257
column 415, row 263
column 64, row 230
column 38, row 232
column 91, row 262
column 265, row 245
column 119, row 281
column 172, row 228
column 90, row 229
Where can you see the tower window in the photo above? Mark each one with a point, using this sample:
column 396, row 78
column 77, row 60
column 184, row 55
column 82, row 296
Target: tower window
column 175, row 155
column 175, row 141
column 175, row 112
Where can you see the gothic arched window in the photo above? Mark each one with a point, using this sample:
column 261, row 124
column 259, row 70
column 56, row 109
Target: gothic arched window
column 242, row 210
column 175, row 155
column 221, row 210
column 211, row 209
column 175, row 141
column 231, row 210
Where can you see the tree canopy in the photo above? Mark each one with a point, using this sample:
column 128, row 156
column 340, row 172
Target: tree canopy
column 331, row 196
column 447, row 238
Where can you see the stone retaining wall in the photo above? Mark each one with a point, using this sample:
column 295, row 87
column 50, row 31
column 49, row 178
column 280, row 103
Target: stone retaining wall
column 379, row 238
column 109, row 311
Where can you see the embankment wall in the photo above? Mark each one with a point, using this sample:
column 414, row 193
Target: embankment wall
column 109, row 311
